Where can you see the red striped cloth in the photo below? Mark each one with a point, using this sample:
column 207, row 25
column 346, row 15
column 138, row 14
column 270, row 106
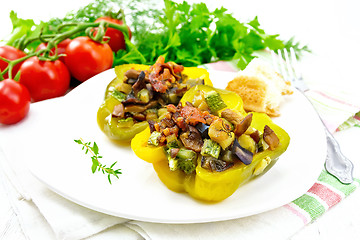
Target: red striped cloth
column 338, row 113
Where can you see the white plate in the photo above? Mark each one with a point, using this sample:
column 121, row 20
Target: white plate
column 138, row 193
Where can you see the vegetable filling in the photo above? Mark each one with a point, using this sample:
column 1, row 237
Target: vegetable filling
column 218, row 138
column 143, row 93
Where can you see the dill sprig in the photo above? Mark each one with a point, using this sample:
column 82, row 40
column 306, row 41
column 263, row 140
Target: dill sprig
column 96, row 164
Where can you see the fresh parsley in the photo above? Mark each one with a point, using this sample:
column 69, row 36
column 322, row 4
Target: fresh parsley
column 96, row 164
column 190, row 35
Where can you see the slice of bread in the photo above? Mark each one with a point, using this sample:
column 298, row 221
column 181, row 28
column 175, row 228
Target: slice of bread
column 260, row 87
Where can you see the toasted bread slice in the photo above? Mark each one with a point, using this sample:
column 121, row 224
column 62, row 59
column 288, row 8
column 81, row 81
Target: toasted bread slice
column 260, row 87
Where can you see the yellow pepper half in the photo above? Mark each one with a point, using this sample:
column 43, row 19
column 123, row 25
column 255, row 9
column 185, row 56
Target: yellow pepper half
column 110, row 125
column 204, row 184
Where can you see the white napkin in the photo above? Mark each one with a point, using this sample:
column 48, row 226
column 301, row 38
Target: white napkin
column 275, row 224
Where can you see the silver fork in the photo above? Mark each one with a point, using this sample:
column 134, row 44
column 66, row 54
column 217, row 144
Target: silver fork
column 336, row 163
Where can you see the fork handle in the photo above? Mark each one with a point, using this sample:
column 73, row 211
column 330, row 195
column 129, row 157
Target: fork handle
column 336, row 163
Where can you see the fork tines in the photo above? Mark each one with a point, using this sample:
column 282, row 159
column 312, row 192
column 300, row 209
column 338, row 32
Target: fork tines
column 287, row 65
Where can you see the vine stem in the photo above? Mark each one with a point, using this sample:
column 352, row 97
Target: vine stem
column 99, row 165
column 57, row 38
column 87, row 147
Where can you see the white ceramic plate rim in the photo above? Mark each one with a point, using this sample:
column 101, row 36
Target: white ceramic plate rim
column 144, row 197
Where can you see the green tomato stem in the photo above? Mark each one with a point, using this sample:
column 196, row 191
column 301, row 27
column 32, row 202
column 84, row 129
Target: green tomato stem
column 55, row 39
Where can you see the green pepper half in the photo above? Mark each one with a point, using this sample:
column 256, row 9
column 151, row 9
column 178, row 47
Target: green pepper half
column 122, row 130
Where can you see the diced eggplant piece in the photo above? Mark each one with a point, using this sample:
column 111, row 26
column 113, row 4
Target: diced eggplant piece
column 241, row 153
column 203, row 129
column 214, row 164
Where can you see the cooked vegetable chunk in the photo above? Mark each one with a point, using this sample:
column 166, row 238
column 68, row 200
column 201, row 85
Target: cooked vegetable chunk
column 224, row 160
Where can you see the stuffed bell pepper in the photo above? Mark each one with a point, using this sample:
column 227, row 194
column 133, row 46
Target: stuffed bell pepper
column 208, row 146
column 139, row 92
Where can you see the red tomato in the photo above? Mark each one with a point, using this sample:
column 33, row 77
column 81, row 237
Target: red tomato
column 14, row 101
column 60, row 48
column 10, row 53
column 44, row 79
column 85, row 58
column 117, row 40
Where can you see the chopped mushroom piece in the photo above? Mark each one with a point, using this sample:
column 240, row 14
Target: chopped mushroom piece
column 244, row 125
column 255, row 136
column 232, row 116
column 119, row 111
column 192, row 139
column 133, row 75
column 140, row 83
column 270, row 138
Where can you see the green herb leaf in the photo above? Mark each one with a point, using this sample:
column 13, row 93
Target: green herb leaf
column 190, row 35
column 96, row 165
column 95, row 149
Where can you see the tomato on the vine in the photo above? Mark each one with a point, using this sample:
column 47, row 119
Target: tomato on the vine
column 85, row 58
column 61, row 47
column 44, row 79
column 10, row 53
column 117, row 40
column 14, row 101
